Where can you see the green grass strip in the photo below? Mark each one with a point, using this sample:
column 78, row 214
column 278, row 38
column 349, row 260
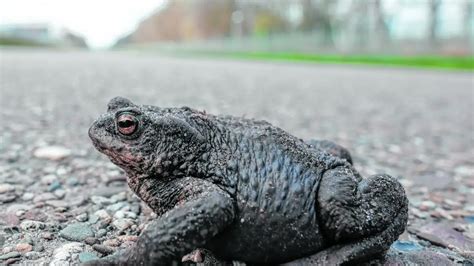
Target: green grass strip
column 459, row 63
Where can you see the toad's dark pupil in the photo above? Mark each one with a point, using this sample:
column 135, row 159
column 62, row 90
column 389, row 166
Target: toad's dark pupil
column 126, row 123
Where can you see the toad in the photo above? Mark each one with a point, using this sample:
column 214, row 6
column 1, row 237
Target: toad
column 244, row 190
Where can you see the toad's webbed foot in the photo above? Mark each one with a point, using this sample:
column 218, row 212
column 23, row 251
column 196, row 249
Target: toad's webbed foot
column 360, row 218
column 331, row 148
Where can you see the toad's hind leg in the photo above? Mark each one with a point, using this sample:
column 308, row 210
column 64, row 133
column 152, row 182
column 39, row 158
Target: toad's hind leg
column 360, row 218
column 356, row 250
column 331, row 148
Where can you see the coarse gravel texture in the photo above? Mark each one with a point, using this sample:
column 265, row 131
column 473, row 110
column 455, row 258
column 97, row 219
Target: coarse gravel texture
column 416, row 125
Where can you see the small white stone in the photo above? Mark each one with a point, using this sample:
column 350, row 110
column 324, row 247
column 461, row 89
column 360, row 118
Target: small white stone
column 122, row 196
column 122, row 224
column 63, row 253
column 6, row 188
column 28, row 196
column 102, row 214
column 464, row 170
column 99, row 200
column 54, row 153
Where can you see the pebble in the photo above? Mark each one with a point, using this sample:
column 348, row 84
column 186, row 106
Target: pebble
column 103, row 249
column 90, row 241
column 10, row 219
column 87, row 256
column 406, row 183
column 102, row 214
column 122, row 224
column 102, row 201
column 62, row 254
column 13, row 254
column 32, row 255
column 440, row 213
column 53, row 153
column 4, row 188
column 44, row 197
column 124, row 214
column 30, row 225
column 23, row 247
column 445, row 236
column 27, row 239
column 58, row 203
column 82, row 217
column 131, row 238
column 48, row 179
column 427, row 205
column 452, row 203
column 47, row 235
column 72, row 182
column 35, row 214
column 107, row 191
column 54, row 185
column 112, row 243
column 6, row 198
column 469, row 219
column 117, row 206
column 465, row 170
column 419, row 214
column 77, row 232
column 60, row 193
column 122, row 196
column 77, row 201
column 27, row 196
column 101, row 233
column 39, row 247
column 18, row 207
column 93, row 218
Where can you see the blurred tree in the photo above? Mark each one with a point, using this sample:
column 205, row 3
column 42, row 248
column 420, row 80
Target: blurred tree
column 318, row 15
column 267, row 23
column 183, row 20
column 381, row 30
column 361, row 10
column 308, row 21
column 468, row 20
column 433, row 7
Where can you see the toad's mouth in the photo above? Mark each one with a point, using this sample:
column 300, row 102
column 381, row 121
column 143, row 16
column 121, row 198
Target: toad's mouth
column 122, row 158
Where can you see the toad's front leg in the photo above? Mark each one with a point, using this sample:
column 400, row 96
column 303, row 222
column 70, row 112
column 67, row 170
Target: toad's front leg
column 189, row 225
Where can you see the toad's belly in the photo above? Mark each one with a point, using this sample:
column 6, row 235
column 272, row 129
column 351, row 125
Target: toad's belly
column 267, row 243
column 271, row 230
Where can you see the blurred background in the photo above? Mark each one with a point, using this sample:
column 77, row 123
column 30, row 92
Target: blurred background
column 390, row 80
column 286, row 29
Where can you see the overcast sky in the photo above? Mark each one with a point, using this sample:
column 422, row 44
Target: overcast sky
column 101, row 22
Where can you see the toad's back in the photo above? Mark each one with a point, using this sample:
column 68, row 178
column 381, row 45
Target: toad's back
column 276, row 178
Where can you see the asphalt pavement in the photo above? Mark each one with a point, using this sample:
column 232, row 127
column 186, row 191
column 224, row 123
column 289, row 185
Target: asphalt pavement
column 416, row 125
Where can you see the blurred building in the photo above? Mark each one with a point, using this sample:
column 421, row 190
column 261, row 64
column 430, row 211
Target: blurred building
column 41, row 34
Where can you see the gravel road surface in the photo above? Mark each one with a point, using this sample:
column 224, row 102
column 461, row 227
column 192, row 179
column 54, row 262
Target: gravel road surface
column 61, row 201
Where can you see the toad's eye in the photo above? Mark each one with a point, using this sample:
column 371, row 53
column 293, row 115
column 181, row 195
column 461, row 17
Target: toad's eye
column 127, row 124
